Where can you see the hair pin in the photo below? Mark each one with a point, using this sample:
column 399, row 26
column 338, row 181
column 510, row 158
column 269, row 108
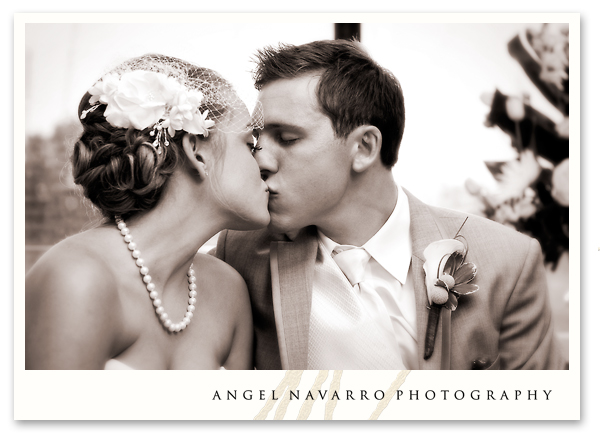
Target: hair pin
column 85, row 112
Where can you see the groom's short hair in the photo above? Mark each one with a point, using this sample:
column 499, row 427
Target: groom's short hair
column 353, row 89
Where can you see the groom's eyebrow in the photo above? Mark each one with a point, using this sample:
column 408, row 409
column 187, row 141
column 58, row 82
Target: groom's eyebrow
column 285, row 126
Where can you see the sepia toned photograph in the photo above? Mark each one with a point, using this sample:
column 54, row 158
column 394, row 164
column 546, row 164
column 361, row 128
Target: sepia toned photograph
column 290, row 195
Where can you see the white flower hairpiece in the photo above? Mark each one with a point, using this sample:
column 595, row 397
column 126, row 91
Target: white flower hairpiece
column 143, row 99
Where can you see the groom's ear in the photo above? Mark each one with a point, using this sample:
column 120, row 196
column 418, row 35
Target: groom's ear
column 365, row 142
column 192, row 147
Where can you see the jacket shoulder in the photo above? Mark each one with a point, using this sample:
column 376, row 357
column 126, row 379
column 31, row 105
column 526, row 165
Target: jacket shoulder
column 479, row 227
column 235, row 243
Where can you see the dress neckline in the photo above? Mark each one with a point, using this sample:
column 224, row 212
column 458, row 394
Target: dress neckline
column 114, row 364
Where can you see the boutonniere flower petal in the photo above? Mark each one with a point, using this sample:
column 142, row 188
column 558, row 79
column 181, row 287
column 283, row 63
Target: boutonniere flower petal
column 438, row 254
column 447, row 278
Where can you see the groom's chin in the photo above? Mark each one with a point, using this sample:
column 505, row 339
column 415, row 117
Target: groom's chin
column 278, row 226
column 281, row 235
column 285, row 223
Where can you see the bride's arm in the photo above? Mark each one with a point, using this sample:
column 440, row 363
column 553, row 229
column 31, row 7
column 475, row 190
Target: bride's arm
column 240, row 354
column 71, row 314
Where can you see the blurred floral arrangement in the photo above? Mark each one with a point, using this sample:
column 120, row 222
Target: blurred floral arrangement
column 532, row 193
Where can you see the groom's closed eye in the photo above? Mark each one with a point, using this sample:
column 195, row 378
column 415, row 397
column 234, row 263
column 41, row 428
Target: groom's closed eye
column 287, row 138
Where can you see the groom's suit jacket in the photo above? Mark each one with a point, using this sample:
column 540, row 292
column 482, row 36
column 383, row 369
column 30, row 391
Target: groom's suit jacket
column 505, row 325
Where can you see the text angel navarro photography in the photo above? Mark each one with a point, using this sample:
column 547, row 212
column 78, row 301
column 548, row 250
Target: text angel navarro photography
column 378, row 395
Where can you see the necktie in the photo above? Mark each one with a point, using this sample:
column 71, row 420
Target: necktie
column 343, row 333
column 352, row 261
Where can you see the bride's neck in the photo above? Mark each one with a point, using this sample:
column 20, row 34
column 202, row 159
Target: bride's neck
column 170, row 234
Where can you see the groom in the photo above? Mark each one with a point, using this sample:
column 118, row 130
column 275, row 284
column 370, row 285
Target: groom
column 337, row 279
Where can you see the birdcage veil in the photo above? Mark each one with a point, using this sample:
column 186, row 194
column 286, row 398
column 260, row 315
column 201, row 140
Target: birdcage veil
column 168, row 94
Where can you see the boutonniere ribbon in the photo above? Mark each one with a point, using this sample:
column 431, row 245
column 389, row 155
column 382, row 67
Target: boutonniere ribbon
column 447, row 277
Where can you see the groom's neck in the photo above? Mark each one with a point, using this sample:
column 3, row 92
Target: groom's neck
column 362, row 213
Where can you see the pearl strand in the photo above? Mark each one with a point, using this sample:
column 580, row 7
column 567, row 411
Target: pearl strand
column 160, row 310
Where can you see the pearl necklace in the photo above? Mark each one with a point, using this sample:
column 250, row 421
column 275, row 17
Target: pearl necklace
column 160, row 311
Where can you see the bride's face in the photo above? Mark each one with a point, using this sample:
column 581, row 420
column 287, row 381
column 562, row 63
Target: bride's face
column 239, row 188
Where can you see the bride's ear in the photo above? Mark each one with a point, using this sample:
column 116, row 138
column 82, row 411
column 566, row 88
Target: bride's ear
column 195, row 154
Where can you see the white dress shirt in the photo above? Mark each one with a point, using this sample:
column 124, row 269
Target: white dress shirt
column 388, row 274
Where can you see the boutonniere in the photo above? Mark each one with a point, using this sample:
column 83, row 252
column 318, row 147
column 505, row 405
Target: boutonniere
column 447, row 277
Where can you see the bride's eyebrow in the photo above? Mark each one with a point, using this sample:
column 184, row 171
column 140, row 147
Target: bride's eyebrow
column 253, row 128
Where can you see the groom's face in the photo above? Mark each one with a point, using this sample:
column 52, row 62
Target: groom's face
column 306, row 167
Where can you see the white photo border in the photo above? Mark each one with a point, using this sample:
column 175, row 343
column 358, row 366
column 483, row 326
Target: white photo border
column 87, row 395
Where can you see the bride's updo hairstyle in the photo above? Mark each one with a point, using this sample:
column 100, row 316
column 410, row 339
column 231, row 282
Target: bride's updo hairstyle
column 134, row 119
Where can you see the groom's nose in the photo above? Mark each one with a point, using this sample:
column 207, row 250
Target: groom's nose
column 267, row 160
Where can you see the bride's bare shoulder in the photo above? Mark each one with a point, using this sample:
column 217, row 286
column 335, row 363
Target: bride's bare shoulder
column 78, row 263
column 218, row 273
column 224, row 285
column 72, row 310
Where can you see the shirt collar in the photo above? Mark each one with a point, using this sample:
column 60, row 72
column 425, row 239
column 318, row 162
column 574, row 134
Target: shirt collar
column 391, row 246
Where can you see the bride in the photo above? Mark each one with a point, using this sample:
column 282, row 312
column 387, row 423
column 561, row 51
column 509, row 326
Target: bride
column 166, row 155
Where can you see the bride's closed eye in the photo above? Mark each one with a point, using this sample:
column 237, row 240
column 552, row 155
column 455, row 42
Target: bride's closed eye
column 253, row 147
column 253, row 142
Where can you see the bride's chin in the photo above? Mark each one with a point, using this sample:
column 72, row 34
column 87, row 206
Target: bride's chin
column 263, row 221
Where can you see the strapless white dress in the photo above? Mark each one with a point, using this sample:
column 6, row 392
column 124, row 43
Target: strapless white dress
column 113, row 364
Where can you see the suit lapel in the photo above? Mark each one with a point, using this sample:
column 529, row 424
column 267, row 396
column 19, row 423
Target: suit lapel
column 292, row 270
column 423, row 230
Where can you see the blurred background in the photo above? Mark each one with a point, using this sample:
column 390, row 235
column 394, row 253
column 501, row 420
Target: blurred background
column 486, row 115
